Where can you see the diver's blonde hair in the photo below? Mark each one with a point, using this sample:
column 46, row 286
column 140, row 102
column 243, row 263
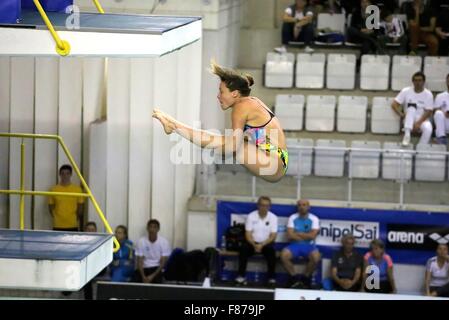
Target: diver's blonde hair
column 233, row 79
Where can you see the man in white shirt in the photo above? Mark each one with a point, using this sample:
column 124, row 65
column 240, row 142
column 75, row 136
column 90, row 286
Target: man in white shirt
column 260, row 233
column 441, row 116
column 415, row 105
column 152, row 254
column 297, row 25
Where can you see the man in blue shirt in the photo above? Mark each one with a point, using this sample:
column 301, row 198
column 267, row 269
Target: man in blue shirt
column 302, row 230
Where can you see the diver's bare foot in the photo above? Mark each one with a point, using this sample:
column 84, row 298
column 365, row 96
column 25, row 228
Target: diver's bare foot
column 169, row 126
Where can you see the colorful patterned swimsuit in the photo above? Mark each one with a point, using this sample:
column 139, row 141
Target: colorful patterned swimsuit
column 259, row 136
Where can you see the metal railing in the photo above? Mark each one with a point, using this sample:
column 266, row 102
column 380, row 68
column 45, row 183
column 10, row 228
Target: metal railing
column 404, row 156
column 22, row 192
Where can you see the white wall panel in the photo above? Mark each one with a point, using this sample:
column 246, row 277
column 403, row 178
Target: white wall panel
column 4, row 142
column 140, row 145
column 70, row 105
column 118, row 88
column 21, row 121
column 46, row 122
column 188, row 111
column 94, row 89
column 97, row 170
column 163, row 178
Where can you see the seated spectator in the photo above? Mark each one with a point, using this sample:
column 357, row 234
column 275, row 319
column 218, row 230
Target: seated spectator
column 417, row 102
column 359, row 33
column 392, row 31
column 441, row 116
column 390, row 5
column 442, row 31
column 302, row 230
column 437, row 273
column 298, row 26
column 90, row 226
column 347, row 266
column 322, row 6
column 439, row 4
column 382, row 276
column 421, row 24
column 347, row 6
column 260, row 232
column 122, row 266
column 152, row 254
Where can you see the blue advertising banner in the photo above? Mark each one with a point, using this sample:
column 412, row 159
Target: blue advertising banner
column 410, row 237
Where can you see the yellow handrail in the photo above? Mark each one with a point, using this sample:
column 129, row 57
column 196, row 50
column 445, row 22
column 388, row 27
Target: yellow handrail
column 99, row 7
column 22, row 192
column 62, row 46
column 22, row 185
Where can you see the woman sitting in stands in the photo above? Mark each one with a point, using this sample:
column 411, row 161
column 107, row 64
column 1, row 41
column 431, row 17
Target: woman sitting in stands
column 378, row 270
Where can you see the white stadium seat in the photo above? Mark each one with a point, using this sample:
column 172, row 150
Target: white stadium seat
column 383, row 119
column 365, row 164
column 279, row 69
column 335, row 22
column 396, row 165
column 341, row 70
column 402, row 71
column 310, row 70
column 375, row 72
column 290, row 111
column 351, row 114
column 320, row 113
column 430, row 167
column 330, row 163
column 436, row 69
column 299, row 159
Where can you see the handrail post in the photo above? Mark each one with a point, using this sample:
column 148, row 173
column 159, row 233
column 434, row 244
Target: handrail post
column 86, row 187
column 22, row 192
column 99, row 7
column 401, row 180
column 22, row 185
column 350, row 178
column 62, row 46
column 298, row 177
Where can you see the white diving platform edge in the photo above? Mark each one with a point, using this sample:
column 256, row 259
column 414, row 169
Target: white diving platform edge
column 52, row 260
column 102, row 35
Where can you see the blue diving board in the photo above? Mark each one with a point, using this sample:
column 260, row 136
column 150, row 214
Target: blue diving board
column 49, row 245
column 95, row 22
column 52, row 260
column 100, row 35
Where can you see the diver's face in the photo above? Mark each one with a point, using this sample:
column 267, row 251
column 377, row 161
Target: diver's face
column 226, row 97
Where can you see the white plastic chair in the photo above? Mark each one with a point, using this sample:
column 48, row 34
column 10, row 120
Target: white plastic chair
column 279, row 70
column 403, row 69
column 320, row 113
column 351, row 114
column 290, row 111
column 341, row 71
column 330, row 163
column 365, row 164
column 310, row 70
column 375, row 72
column 383, row 119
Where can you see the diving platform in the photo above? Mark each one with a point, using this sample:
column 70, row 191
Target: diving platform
column 95, row 34
column 52, row 260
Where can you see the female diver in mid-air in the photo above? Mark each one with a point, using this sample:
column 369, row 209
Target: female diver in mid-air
column 265, row 154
